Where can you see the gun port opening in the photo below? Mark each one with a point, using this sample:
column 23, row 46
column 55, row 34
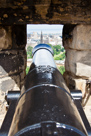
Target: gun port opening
column 46, row 34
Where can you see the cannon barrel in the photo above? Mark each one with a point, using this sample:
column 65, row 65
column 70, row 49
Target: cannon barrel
column 45, row 106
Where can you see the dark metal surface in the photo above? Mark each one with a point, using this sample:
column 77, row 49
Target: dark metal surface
column 12, row 95
column 76, row 94
column 44, row 75
column 45, row 98
column 8, row 119
column 83, row 116
column 45, row 106
column 46, row 103
column 50, row 128
column 11, row 98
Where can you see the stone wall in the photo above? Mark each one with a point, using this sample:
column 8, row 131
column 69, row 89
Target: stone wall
column 12, row 61
column 77, row 42
column 45, row 12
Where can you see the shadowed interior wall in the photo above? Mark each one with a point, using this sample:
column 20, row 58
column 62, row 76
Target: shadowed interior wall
column 12, row 60
column 77, row 43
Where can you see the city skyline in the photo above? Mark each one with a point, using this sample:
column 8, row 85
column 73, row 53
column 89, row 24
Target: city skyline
column 46, row 29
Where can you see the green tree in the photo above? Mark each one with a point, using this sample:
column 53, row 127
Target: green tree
column 62, row 49
column 60, row 56
column 29, row 52
column 57, row 49
column 61, row 69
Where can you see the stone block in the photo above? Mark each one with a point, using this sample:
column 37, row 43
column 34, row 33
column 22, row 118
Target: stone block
column 12, row 37
column 12, row 69
column 2, row 107
column 5, row 38
column 12, row 62
column 9, row 83
column 78, row 63
column 75, row 83
column 77, row 37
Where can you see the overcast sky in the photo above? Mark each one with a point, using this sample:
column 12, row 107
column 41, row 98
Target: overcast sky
column 44, row 28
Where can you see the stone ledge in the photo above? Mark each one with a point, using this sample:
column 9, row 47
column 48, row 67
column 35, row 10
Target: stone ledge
column 75, row 83
column 77, row 37
column 78, row 63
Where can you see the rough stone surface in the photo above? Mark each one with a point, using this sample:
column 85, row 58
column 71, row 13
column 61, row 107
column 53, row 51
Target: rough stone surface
column 12, row 37
column 77, row 37
column 75, row 83
column 12, row 68
column 15, row 59
column 2, row 107
column 12, row 74
column 45, row 11
column 12, row 60
column 77, row 42
column 87, row 110
column 5, row 38
column 9, row 83
column 78, row 63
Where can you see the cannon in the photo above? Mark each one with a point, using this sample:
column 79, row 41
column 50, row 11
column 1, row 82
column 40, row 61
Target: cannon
column 45, row 106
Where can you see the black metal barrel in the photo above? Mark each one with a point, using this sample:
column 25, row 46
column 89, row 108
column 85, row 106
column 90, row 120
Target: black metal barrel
column 45, row 107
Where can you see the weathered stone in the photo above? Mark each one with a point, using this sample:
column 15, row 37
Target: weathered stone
column 12, row 60
column 45, row 11
column 19, row 36
column 11, row 63
column 5, row 38
column 78, row 63
column 12, row 69
column 2, row 107
column 22, row 75
column 77, row 37
column 22, row 83
column 75, row 83
column 12, row 37
column 9, row 83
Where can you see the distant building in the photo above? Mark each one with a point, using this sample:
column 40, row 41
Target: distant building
column 34, row 35
column 35, row 38
column 41, row 38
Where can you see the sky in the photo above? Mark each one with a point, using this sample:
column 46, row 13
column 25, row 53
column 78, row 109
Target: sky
column 44, row 28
